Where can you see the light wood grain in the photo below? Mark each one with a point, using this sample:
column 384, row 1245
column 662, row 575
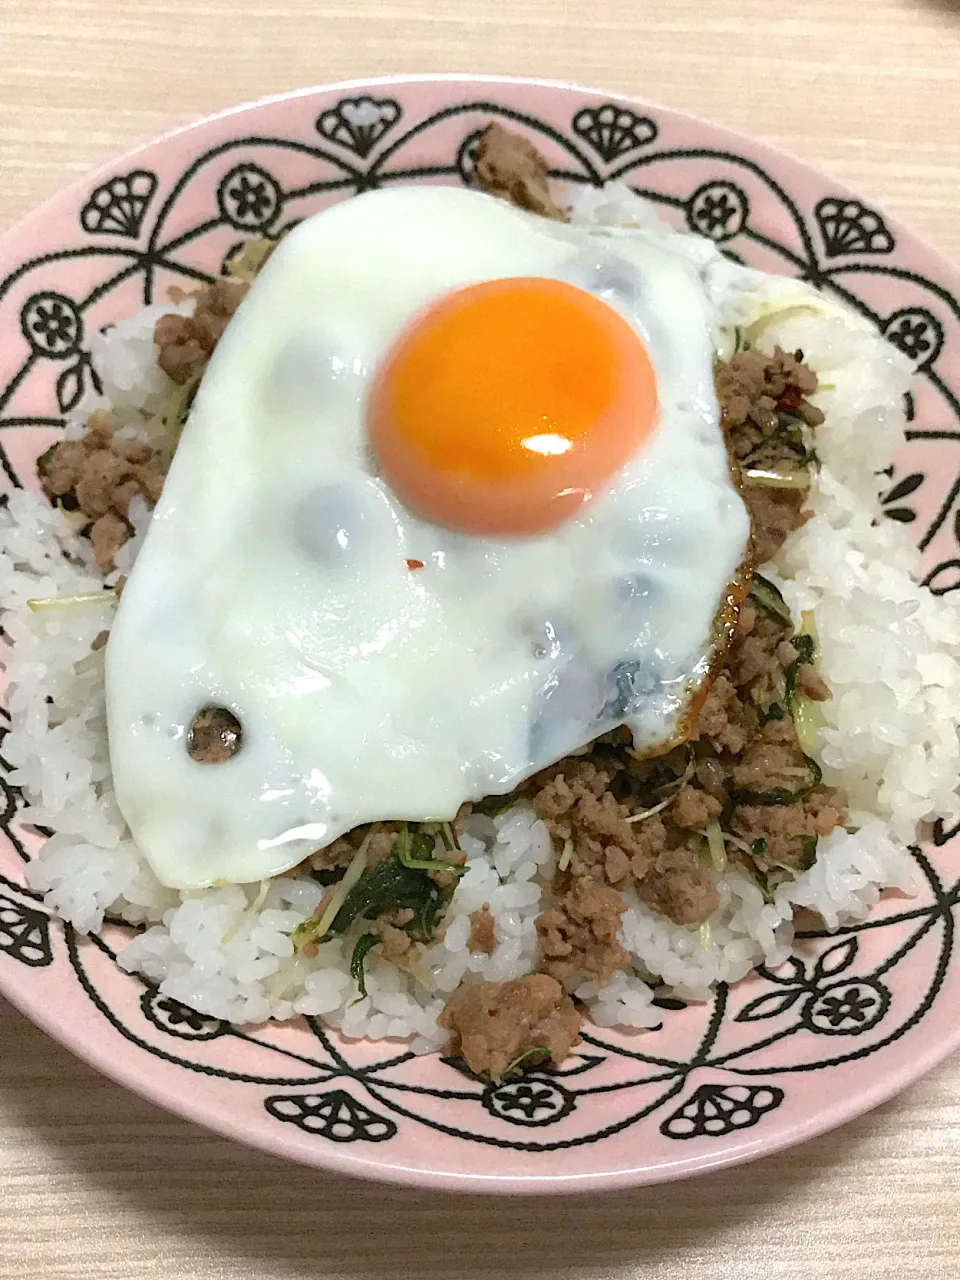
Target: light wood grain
column 96, row 1183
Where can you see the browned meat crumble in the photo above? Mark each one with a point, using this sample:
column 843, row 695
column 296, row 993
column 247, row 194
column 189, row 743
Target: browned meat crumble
column 494, row 1024
column 97, row 476
column 482, row 940
column 578, row 938
column 186, row 343
column 765, row 408
column 510, row 167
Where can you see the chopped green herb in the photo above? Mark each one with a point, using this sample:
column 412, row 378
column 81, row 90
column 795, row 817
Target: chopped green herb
column 362, row 948
column 43, row 462
column 758, row 846
column 773, row 712
column 492, row 806
column 809, row 776
column 327, row 875
column 415, row 851
column 769, row 600
column 806, row 647
column 808, row 845
column 395, row 884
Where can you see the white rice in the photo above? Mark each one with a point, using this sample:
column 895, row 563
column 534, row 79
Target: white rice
column 889, row 650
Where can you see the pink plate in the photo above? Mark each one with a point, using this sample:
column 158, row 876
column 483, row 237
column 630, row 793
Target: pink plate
column 777, row 1058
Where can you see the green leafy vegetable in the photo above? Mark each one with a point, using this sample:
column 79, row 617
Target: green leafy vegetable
column 327, row 875
column 492, row 806
column 772, row 712
column 806, row 647
column 769, row 600
column 659, row 779
column 364, row 945
column 415, row 851
column 808, row 845
column 398, row 883
column 809, row 777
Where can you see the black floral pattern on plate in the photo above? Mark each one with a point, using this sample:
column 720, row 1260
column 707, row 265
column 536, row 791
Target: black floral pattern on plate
column 718, row 210
column 120, row 205
column 917, row 333
column 25, row 933
column 359, row 123
column 178, row 1019
column 613, row 131
column 847, row 226
column 717, row 1110
column 892, row 500
column 250, row 199
column 52, row 325
column 532, row 1100
column 334, row 1115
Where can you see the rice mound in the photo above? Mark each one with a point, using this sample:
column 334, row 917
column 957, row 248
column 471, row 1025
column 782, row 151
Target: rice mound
column 889, row 650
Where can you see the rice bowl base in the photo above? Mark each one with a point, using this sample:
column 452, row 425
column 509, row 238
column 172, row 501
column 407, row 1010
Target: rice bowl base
column 712, row 1073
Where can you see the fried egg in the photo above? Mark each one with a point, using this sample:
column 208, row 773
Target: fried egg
column 452, row 500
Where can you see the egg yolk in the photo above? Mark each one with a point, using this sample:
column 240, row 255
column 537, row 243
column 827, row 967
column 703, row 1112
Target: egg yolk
column 507, row 405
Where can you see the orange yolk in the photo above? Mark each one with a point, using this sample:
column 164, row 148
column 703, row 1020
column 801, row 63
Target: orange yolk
column 508, row 405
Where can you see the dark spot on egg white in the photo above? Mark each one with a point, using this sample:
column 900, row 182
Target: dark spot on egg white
column 215, row 736
column 629, row 684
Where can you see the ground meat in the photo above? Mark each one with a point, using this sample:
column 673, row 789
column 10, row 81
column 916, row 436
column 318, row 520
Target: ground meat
column 764, row 407
column 695, row 808
column 754, row 389
column 508, row 166
column 186, row 342
column 682, row 887
column 495, row 1023
column 215, row 736
column 774, row 515
column 342, row 851
column 719, row 725
column 578, row 938
column 744, row 742
column 784, row 835
column 482, row 940
column 100, row 640
column 811, row 684
column 396, row 945
column 577, row 803
column 107, row 536
column 98, row 476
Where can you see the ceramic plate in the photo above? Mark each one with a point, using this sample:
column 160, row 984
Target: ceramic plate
column 776, row 1058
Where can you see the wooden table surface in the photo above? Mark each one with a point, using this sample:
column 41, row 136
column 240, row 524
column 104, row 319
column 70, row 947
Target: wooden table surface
column 95, row 1182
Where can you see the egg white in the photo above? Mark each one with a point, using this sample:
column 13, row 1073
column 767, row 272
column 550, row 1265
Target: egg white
column 273, row 577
